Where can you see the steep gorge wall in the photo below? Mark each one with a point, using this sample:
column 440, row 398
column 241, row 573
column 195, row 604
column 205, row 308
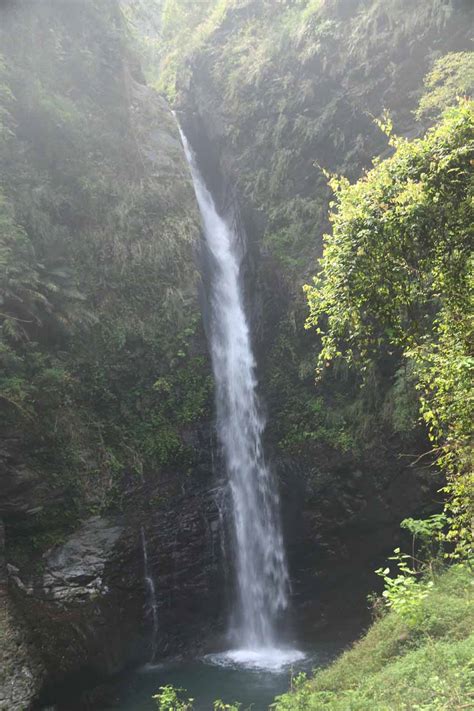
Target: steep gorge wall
column 273, row 96
column 105, row 388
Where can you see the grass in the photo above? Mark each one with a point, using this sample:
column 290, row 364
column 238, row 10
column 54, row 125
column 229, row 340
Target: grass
column 428, row 665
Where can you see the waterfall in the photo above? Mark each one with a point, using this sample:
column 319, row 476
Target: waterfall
column 260, row 561
column 151, row 592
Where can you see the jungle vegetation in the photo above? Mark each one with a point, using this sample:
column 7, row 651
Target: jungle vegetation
column 97, row 281
column 393, row 292
column 100, row 374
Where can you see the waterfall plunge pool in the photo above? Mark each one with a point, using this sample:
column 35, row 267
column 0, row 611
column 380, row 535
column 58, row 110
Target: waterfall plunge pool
column 250, row 677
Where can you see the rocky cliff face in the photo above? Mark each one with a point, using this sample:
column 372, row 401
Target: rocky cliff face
column 87, row 608
column 21, row 669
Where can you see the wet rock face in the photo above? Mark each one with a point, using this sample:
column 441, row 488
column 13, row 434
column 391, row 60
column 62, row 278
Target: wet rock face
column 87, row 606
column 21, row 670
column 342, row 520
column 23, row 492
column 75, row 570
column 184, row 547
column 81, row 604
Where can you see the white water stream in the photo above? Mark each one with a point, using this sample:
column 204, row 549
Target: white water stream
column 260, row 561
column 151, row 590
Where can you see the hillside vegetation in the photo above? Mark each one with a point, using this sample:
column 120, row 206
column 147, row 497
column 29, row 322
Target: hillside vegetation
column 345, row 131
column 424, row 664
column 98, row 228
column 397, row 270
column 287, row 91
column 290, row 94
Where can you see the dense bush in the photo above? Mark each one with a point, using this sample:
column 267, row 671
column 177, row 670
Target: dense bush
column 397, row 270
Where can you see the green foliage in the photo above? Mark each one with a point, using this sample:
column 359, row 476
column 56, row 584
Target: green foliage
column 404, row 593
column 400, row 245
column 286, row 82
column 425, row 665
column 171, row 699
column 306, row 418
column 343, row 411
column 143, row 19
column 167, row 31
column 428, row 537
column 446, row 371
column 397, row 270
column 97, row 278
column 184, row 16
column 452, row 76
column 313, row 421
column 401, row 406
column 220, row 705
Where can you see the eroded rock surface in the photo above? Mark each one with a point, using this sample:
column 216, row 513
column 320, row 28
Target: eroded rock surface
column 21, row 670
column 75, row 570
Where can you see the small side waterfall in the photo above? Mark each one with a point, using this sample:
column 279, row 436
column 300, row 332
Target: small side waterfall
column 260, row 561
column 151, row 592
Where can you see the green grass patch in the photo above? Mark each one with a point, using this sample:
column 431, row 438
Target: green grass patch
column 426, row 665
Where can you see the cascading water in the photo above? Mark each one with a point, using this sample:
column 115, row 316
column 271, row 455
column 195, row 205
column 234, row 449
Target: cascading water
column 151, row 591
column 260, row 561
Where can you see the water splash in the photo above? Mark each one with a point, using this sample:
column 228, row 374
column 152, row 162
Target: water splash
column 269, row 659
column 260, row 561
column 151, row 592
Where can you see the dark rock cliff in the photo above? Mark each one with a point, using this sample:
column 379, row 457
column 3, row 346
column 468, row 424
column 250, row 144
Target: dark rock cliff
column 87, row 608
